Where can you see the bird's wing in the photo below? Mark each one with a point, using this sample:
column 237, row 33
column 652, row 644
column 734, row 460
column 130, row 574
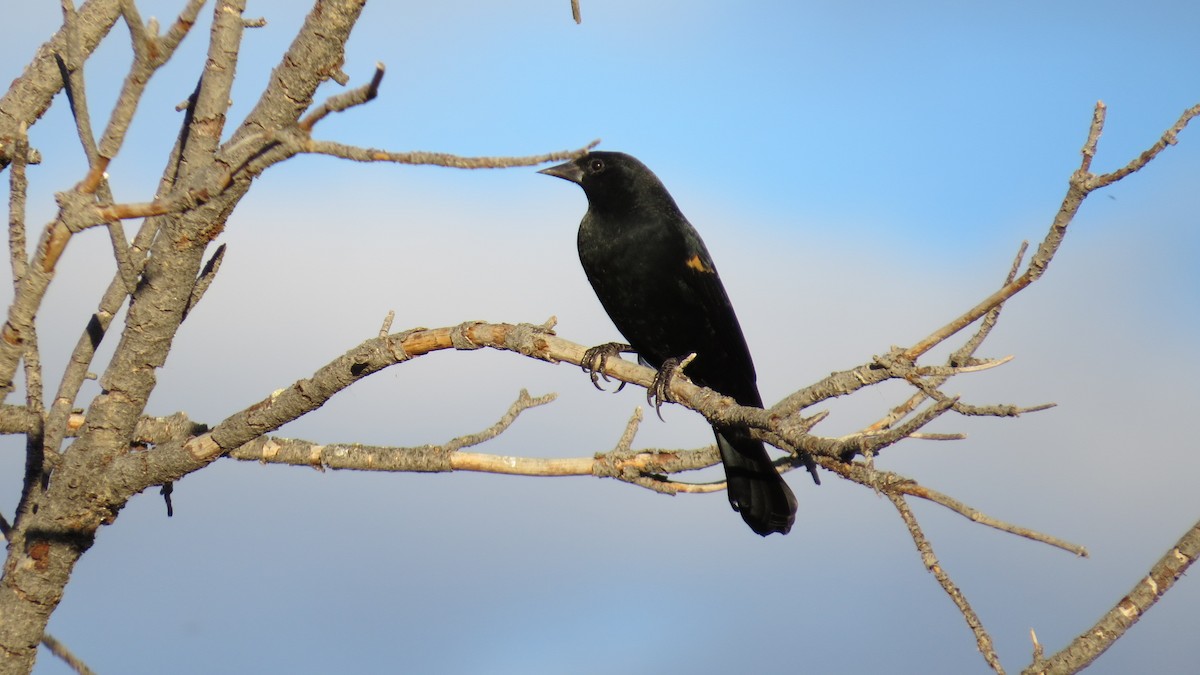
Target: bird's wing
column 727, row 366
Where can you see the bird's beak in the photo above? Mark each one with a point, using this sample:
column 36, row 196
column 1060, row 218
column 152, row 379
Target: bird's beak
column 566, row 171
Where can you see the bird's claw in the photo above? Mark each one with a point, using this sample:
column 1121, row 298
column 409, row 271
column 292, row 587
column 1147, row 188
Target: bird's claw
column 659, row 391
column 595, row 360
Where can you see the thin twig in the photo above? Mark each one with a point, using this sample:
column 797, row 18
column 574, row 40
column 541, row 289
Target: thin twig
column 890, row 482
column 962, row 355
column 386, row 328
column 341, row 102
column 1080, row 185
column 444, row 457
column 438, row 158
column 30, row 95
column 205, row 279
column 60, row 650
column 95, row 182
column 1169, row 137
column 625, row 442
column 18, row 184
column 1094, row 641
column 524, row 402
column 72, row 74
column 982, row 639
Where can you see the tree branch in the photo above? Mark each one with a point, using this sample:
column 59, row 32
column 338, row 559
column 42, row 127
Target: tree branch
column 29, row 96
column 982, row 639
column 1093, row 642
column 1082, row 183
column 438, row 158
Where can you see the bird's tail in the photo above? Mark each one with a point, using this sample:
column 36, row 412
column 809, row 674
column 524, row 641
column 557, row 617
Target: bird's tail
column 756, row 490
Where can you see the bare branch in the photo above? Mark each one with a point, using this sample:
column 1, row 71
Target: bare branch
column 1000, row 410
column 76, row 211
column 982, row 639
column 438, row 158
column 444, row 457
column 17, row 186
column 29, row 96
column 645, row 468
column 893, row 483
column 71, row 71
column 962, row 355
column 922, row 436
column 524, row 402
column 344, row 101
column 387, row 324
column 1096, row 640
column 1082, row 183
column 1169, row 137
column 974, row 515
column 60, row 650
column 205, row 279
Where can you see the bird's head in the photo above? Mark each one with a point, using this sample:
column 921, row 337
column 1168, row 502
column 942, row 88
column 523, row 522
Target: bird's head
column 613, row 181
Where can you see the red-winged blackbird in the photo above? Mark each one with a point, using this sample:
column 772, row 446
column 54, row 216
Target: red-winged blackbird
column 658, row 284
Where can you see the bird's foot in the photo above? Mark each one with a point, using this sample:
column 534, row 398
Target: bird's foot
column 596, row 359
column 659, row 391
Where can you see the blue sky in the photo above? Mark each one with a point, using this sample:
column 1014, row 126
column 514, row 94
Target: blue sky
column 861, row 174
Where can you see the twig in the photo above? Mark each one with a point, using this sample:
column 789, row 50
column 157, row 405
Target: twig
column 1169, row 137
column 1096, row 640
column 524, row 402
column 443, row 457
column 923, row 436
column 1082, row 183
column 344, row 101
column 386, row 328
column 60, row 650
column 34, row 283
column 30, row 95
column 95, row 179
column 72, row 74
column 997, row 410
column 890, row 482
column 438, row 158
column 982, row 639
column 961, row 355
column 205, row 279
column 625, row 442
column 150, row 52
column 95, row 182
column 975, row 515
column 17, row 186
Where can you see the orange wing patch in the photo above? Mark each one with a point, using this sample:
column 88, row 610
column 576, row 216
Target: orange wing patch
column 697, row 264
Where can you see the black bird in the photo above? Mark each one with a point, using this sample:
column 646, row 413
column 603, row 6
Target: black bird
column 659, row 285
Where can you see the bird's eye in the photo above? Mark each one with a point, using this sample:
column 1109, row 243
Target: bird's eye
column 596, row 165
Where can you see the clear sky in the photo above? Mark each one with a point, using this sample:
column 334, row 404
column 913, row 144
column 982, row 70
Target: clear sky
column 861, row 172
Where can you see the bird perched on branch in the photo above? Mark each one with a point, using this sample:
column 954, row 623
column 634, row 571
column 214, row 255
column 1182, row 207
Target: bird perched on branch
column 659, row 285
